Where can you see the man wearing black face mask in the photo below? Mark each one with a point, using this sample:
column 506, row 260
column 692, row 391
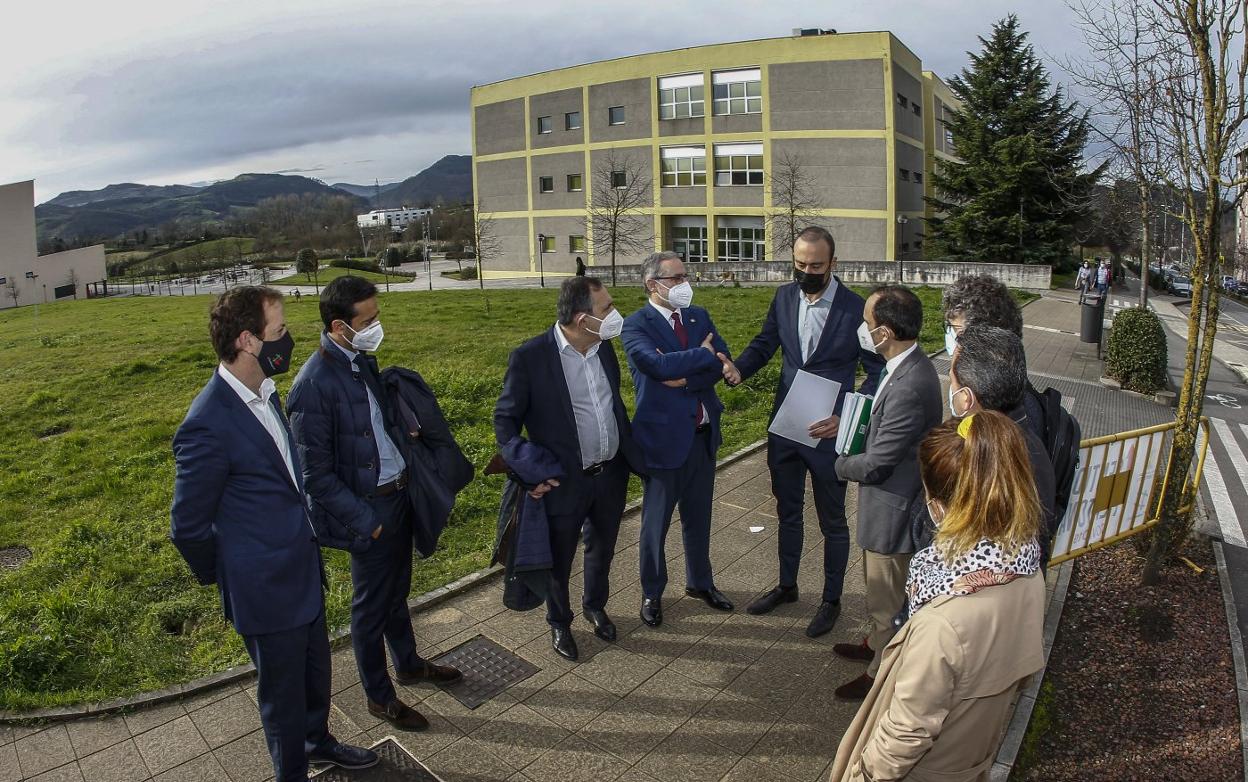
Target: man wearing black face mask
column 814, row 321
column 240, row 522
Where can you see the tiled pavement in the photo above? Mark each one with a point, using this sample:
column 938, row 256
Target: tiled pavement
column 707, row 696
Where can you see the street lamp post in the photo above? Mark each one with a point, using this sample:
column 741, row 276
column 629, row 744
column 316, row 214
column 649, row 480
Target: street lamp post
column 541, row 262
column 901, row 222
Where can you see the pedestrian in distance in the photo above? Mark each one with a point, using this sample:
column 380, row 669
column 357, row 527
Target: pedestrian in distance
column 1083, row 281
column 580, row 267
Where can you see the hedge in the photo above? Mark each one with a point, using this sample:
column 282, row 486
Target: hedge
column 353, row 263
column 1136, row 351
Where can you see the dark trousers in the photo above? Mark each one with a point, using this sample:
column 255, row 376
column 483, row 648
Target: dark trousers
column 597, row 520
column 789, row 463
column 382, row 577
column 690, row 486
column 292, row 672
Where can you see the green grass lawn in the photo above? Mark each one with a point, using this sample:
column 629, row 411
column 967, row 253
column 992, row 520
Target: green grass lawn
column 332, row 272
column 92, row 393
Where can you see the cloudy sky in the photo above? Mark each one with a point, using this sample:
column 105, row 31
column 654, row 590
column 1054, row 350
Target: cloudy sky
column 190, row 91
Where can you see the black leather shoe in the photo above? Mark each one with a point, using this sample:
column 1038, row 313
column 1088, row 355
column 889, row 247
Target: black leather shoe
column 438, row 674
column 825, row 619
column 565, row 645
column 652, row 611
column 860, row 652
column 856, row 690
column 399, row 714
column 604, row 628
column 345, row 756
column 712, row 597
column 766, row 603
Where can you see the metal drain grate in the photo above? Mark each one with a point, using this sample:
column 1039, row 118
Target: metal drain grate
column 397, row 765
column 13, row 557
column 488, row 670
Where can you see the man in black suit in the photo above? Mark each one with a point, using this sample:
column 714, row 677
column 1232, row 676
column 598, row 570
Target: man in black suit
column 562, row 389
column 814, row 322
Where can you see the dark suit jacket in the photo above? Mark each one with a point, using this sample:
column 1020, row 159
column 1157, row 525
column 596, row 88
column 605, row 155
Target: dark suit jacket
column 887, row 471
column 836, row 357
column 535, row 400
column 665, row 418
column 239, row 520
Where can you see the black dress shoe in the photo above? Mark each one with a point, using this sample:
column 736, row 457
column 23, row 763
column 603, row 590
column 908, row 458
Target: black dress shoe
column 399, row 714
column 604, row 628
column 766, row 603
column 825, row 619
column 855, row 690
column 565, row 645
column 712, row 597
column 344, row 756
column 860, row 652
column 652, row 611
column 428, row 672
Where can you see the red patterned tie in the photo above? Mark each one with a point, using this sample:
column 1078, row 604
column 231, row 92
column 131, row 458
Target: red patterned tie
column 681, row 335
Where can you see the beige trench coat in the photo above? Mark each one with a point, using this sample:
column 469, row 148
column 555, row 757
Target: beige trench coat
column 945, row 686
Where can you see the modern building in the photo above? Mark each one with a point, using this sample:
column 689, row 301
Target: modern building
column 703, row 129
column 398, row 219
column 38, row 278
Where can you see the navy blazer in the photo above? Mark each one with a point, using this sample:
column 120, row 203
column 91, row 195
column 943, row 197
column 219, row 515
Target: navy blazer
column 665, row 418
column 836, row 357
column 239, row 520
column 535, row 400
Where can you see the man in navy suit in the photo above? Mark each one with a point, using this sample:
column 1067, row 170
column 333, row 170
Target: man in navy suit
column 562, row 389
column 814, row 322
column 676, row 359
column 240, row 522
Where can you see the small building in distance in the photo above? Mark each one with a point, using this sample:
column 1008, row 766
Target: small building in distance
column 705, row 127
column 398, row 219
column 38, row 278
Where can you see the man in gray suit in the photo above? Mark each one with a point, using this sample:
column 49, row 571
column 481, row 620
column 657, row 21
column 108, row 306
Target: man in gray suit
column 907, row 405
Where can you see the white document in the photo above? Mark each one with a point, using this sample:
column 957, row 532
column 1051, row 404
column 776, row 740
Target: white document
column 811, row 398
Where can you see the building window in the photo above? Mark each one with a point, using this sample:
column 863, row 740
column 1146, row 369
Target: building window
column 684, row 166
column 918, row 177
column 615, row 115
column 574, row 183
column 681, row 97
column 546, row 184
column 576, row 244
column 619, row 180
column 548, row 244
column 690, row 242
column 741, row 244
column 738, row 164
column 905, row 174
column 901, row 101
column 543, row 125
column 572, row 120
column 737, row 92
column 948, row 137
column 918, row 111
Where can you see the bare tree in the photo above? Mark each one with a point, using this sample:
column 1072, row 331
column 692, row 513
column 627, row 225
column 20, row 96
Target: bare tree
column 793, row 201
column 620, row 190
column 72, row 279
column 12, row 289
column 485, row 240
column 1204, row 60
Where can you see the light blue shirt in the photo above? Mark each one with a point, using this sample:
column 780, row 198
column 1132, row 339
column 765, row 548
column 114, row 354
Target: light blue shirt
column 593, row 405
column 387, row 454
column 812, row 316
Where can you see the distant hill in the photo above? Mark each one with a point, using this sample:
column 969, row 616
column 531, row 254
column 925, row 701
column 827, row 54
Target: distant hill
column 120, row 209
column 363, row 191
column 448, row 180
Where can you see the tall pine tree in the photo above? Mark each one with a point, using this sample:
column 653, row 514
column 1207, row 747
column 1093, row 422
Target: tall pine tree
column 1020, row 186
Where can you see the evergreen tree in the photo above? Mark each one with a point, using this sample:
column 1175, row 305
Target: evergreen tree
column 1020, row 186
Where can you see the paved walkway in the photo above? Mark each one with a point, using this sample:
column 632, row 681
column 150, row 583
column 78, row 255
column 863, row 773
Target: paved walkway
column 707, row 696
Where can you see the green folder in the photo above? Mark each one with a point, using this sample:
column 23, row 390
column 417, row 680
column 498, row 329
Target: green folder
column 858, row 417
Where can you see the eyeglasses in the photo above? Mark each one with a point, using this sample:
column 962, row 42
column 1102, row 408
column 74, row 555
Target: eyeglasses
column 677, row 277
column 956, row 329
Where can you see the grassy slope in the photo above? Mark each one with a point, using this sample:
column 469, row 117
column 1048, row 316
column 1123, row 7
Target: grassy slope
column 92, row 393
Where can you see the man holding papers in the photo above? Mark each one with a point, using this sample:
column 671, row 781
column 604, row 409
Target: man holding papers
column 907, row 404
column 813, row 321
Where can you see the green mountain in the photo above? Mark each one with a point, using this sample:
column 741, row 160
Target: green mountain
column 364, row 191
column 449, row 181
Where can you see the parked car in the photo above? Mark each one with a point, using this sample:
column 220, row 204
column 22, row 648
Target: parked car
column 1180, row 286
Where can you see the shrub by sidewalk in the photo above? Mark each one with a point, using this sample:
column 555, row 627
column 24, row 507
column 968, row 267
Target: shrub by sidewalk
column 1136, row 351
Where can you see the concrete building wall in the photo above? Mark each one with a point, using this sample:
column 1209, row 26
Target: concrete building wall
column 905, row 120
column 634, row 159
column 499, row 127
column 909, row 192
column 739, row 195
column 556, row 105
column 737, row 123
column 558, row 166
column 17, row 231
column 848, row 173
column 562, row 260
column 682, row 196
column 693, row 126
column 514, row 246
column 502, row 186
column 827, row 95
column 82, row 266
column 634, row 96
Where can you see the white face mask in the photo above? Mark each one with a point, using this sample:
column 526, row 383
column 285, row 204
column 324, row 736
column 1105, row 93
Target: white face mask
column 368, row 339
column 679, row 296
column 970, row 395
column 864, row 338
column 951, row 340
column 611, row 326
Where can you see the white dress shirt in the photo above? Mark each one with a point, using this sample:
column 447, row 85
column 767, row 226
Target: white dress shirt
column 593, row 405
column 391, row 461
column 262, row 409
column 812, row 316
column 703, row 416
column 890, row 367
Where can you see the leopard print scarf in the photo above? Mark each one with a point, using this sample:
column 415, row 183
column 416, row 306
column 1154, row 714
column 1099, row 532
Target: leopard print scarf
column 985, row 565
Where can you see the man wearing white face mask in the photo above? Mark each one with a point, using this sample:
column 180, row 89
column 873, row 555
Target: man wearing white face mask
column 356, row 480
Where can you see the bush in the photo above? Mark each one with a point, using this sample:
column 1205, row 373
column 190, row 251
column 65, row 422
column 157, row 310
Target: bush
column 353, row 263
column 1136, row 351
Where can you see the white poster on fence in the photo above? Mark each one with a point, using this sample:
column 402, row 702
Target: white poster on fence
column 1110, row 493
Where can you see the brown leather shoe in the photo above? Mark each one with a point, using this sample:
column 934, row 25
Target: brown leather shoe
column 855, row 690
column 438, row 674
column 399, row 714
column 860, row 652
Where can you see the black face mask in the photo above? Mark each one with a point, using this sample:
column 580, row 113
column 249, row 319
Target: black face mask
column 810, row 283
column 274, row 356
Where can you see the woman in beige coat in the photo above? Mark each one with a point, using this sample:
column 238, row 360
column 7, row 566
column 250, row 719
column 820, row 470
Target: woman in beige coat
column 972, row 638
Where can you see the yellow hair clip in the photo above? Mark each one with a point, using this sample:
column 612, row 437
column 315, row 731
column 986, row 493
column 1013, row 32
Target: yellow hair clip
column 965, row 427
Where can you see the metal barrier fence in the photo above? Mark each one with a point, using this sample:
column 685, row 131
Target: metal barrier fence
column 1118, row 488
